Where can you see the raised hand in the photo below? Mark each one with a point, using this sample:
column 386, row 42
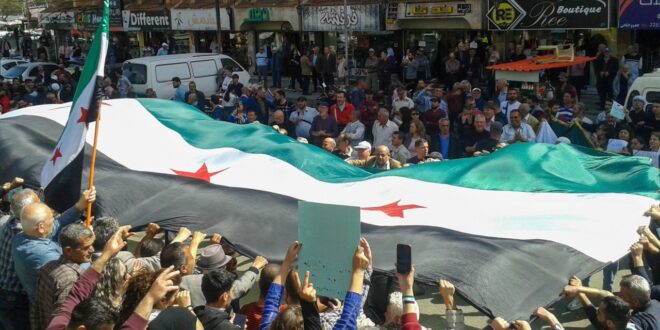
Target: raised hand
column 367, row 250
column 306, row 291
column 182, row 298
column 117, row 241
column 360, row 260
column 163, row 284
column 259, row 262
column 88, row 196
column 153, row 229
column 182, row 235
column 216, row 238
column 447, row 291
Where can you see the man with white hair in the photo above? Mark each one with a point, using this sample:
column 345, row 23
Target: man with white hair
column 383, row 129
column 35, row 246
column 163, row 50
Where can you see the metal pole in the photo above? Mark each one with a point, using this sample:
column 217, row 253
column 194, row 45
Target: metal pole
column 347, row 43
column 218, row 26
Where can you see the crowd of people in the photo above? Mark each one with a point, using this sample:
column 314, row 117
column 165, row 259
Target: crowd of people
column 57, row 273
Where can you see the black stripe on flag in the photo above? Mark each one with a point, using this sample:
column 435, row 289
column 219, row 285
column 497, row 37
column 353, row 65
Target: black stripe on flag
column 501, row 277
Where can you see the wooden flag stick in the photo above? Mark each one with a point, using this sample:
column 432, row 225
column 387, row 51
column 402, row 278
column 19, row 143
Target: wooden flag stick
column 88, row 221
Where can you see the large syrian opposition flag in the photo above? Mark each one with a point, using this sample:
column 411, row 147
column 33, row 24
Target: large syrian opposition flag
column 508, row 229
column 61, row 173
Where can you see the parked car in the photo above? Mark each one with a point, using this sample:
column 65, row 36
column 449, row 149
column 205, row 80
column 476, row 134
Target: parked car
column 29, row 70
column 156, row 72
column 648, row 86
column 8, row 63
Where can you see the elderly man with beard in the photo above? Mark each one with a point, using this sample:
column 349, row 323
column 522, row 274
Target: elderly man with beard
column 382, row 160
column 517, row 131
column 476, row 135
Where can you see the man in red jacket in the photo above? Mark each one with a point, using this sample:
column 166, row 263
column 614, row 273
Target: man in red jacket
column 342, row 110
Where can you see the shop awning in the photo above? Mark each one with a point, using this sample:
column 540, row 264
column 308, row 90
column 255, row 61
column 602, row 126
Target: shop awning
column 538, row 63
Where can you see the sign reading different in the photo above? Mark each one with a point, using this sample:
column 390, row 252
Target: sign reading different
column 362, row 18
column 639, row 14
column 146, row 20
column 546, row 14
column 414, row 10
column 198, row 19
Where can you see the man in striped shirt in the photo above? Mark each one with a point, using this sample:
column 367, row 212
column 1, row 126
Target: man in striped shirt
column 565, row 113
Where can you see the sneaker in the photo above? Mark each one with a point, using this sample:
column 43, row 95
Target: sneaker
column 574, row 305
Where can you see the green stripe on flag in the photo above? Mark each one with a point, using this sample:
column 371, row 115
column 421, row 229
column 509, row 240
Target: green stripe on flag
column 520, row 167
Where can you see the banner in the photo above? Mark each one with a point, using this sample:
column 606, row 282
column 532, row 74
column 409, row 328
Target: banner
column 198, row 19
column 61, row 18
column 444, row 9
column 157, row 20
column 639, row 14
column 544, row 15
column 362, row 18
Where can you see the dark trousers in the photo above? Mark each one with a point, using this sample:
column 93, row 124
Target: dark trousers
column 277, row 78
column 292, row 83
column 14, row 311
column 329, row 79
column 305, row 85
column 317, row 79
column 605, row 90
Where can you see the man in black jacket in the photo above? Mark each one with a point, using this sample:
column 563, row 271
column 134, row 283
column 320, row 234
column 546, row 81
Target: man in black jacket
column 446, row 143
column 216, row 286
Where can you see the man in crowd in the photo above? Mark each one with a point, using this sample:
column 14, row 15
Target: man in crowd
column 354, row 130
column 606, row 68
column 402, row 100
column 371, row 64
column 432, row 117
column 510, row 104
column 199, row 96
column 383, row 129
column 281, row 103
column 341, row 110
column 302, row 117
column 363, row 150
column 329, row 144
column 262, row 66
column 566, row 112
column 329, row 66
column 382, row 160
column 163, row 50
column 56, row 278
column 517, row 131
column 445, row 142
column 421, row 152
column 217, row 289
column 180, row 94
column 490, row 144
column 317, row 69
column 323, row 126
column 35, row 246
column 399, row 152
column 357, row 95
column 475, row 135
column 261, row 106
column 282, row 122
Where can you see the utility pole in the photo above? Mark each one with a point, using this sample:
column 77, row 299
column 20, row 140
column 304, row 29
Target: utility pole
column 218, row 26
column 347, row 43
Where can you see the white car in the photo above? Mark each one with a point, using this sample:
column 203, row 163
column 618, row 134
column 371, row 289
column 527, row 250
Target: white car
column 29, row 70
column 648, row 86
column 8, row 63
column 156, row 72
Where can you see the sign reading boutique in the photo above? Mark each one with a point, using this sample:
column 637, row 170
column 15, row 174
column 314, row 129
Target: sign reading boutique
column 157, row 20
column 363, row 18
column 547, row 14
column 639, row 14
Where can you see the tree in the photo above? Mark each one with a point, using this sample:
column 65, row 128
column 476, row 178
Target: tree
column 11, row 7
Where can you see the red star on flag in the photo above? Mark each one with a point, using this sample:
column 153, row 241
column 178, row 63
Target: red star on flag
column 83, row 115
column 201, row 174
column 393, row 209
column 57, row 155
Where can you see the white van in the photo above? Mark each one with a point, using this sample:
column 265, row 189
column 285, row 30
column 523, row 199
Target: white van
column 648, row 86
column 156, row 72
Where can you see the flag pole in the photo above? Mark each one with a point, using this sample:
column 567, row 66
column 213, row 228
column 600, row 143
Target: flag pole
column 92, row 164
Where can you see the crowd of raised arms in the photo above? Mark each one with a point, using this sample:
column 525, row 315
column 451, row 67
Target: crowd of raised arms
column 56, row 273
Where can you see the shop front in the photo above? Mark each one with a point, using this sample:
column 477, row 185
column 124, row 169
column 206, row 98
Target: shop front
column 435, row 27
column 639, row 23
column 533, row 23
column 61, row 23
column 146, row 30
column 263, row 27
column 199, row 27
column 327, row 26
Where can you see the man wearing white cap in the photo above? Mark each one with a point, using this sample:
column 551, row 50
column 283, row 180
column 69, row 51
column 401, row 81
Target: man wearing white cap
column 363, row 151
column 164, row 49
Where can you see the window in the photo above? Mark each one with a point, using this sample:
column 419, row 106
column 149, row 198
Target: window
column 136, row 73
column 204, row 68
column 15, row 71
column 228, row 63
column 652, row 97
column 165, row 72
column 9, row 65
column 34, row 71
